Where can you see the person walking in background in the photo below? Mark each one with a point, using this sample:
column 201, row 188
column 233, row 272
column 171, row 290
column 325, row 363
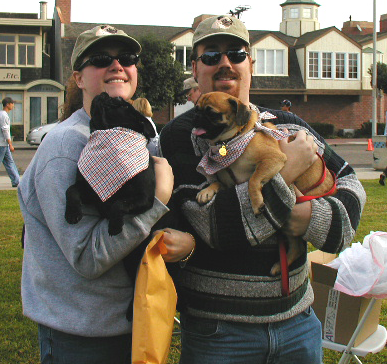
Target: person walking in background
column 6, row 147
column 74, row 283
column 286, row 105
column 232, row 309
column 191, row 89
column 142, row 105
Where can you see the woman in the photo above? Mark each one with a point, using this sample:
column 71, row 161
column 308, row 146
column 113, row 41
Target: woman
column 74, row 284
column 144, row 107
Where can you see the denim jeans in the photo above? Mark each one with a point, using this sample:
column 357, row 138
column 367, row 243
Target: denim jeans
column 293, row 341
column 9, row 164
column 60, row 348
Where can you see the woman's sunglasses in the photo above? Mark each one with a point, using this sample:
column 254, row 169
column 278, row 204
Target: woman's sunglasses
column 213, row 58
column 105, row 60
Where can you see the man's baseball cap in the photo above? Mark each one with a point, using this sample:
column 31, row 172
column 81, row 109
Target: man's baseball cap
column 101, row 32
column 222, row 24
column 189, row 84
column 286, row 103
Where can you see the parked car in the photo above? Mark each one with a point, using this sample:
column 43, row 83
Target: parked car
column 36, row 135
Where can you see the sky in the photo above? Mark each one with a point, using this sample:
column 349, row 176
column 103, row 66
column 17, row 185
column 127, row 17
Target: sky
column 262, row 15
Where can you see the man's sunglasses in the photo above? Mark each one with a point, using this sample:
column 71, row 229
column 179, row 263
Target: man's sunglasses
column 105, row 60
column 213, row 58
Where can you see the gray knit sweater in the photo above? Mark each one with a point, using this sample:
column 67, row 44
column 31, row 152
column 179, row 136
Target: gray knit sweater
column 73, row 277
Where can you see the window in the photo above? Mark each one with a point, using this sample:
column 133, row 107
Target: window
column 183, row 56
column 307, row 13
column 326, row 65
column 313, row 64
column 333, row 65
column 284, row 14
column 340, row 65
column 17, row 50
column 294, row 13
column 270, row 62
column 352, row 65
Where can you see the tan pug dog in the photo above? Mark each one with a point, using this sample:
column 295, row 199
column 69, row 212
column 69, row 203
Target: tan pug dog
column 221, row 119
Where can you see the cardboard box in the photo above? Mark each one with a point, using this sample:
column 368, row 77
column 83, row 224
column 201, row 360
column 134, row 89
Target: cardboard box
column 338, row 312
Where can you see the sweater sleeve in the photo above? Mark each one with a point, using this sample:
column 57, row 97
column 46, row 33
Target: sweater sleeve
column 334, row 218
column 4, row 125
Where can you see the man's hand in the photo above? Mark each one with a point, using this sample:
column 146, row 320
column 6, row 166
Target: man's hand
column 300, row 153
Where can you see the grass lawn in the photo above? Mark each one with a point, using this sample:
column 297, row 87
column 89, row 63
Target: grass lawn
column 19, row 343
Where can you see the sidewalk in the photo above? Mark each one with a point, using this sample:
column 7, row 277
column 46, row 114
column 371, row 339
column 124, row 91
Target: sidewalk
column 362, row 173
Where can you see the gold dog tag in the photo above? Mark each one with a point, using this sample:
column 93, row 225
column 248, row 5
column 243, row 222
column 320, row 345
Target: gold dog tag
column 223, row 150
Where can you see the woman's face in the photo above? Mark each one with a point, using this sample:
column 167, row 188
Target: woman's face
column 114, row 79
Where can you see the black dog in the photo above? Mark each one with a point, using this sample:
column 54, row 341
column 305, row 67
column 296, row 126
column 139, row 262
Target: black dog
column 136, row 195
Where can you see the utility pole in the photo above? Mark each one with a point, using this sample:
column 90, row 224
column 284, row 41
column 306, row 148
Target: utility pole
column 374, row 78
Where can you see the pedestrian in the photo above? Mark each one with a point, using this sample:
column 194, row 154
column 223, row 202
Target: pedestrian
column 6, row 146
column 191, row 89
column 382, row 178
column 232, row 309
column 74, row 284
column 286, row 105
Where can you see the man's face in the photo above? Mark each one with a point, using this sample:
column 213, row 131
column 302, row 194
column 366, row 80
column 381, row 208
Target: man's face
column 234, row 79
column 11, row 106
column 193, row 94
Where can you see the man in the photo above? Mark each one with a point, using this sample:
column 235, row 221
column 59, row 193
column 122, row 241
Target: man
column 286, row 105
column 232, row 310
column 191, row 89
column 6, row 146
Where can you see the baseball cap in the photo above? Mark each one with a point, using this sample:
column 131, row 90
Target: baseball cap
column 286, row 103
column 222, row 24
column 86, row 39
column 189, row 83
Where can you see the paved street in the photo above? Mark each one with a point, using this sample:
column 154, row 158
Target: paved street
column 354, row 151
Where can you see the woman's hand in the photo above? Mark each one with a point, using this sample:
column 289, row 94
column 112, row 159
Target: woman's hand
column 179, row 244
column 300, row 153
column 164, row 179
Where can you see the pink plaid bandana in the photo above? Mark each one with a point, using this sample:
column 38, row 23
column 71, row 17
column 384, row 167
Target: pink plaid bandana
column 212, row 162
column 111, row 158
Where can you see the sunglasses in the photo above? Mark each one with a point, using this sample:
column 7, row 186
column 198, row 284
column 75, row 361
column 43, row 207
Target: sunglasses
column 213, row 58
column 105, row 60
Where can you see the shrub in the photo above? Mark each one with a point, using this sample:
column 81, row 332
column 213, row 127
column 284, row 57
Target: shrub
column 366, row 129
column 324, row 129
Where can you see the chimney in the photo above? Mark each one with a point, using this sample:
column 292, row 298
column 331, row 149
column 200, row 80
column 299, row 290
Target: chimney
column 199, row 19
column 383, row 23
column 64, row 10
column 43, row 10
column 358, row 27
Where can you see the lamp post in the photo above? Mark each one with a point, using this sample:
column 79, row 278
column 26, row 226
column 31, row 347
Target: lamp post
column 374, row 76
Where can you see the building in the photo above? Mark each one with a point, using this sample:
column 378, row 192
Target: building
column 324, row 72
column 26, row 72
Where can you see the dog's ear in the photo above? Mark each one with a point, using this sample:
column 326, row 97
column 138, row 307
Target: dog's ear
column 241, row 111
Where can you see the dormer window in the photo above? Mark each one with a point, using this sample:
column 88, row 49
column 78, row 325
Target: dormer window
column 307, row 13
column 294, row 13
column 17, row 50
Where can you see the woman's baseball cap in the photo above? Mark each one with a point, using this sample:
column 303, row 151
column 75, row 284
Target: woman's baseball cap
column 101, row 32
column 222, row 24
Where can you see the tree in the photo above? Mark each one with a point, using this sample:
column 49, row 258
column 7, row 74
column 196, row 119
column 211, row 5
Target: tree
column 381, row 76
column 160, row 76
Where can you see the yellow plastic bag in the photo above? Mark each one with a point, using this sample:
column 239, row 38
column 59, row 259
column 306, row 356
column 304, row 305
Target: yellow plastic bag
column 154, row 307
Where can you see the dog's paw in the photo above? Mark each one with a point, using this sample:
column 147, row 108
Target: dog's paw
column 258, row 210
column 205, row 195
column 73, row 217
column 275, row 269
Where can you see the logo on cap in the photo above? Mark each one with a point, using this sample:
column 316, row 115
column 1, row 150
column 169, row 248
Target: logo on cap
column 106, row 29
column 222, row 23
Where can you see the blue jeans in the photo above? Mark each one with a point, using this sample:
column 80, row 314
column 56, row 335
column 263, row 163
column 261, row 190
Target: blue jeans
column 60, row 348
column 293, row 341
column 9, row 164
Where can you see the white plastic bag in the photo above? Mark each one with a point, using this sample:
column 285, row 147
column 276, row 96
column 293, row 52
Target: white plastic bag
column 362, row 268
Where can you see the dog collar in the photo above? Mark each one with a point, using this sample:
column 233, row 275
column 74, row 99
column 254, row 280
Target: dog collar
column 112, row 157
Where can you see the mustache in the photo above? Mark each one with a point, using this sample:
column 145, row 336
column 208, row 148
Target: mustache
column 226, row 73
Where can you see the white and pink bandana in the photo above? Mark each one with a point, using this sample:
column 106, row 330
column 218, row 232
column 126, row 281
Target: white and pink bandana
column 111, row 158
column 212, row 161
